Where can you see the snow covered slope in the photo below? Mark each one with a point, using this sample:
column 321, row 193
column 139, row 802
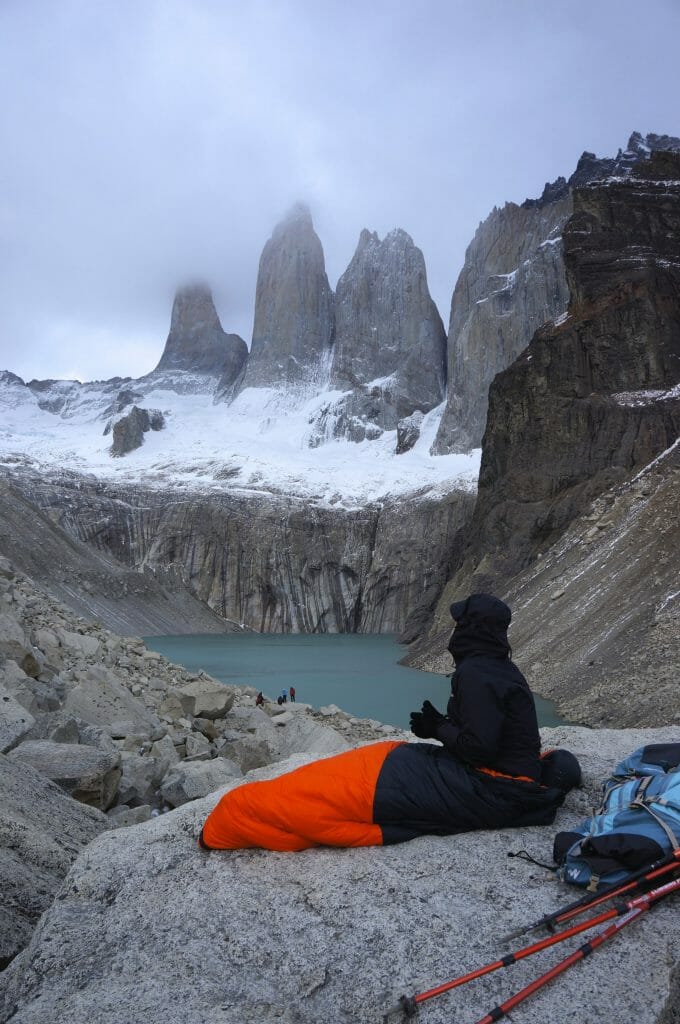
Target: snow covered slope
column 261, row 442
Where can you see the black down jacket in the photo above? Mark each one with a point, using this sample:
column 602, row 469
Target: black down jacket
column 487, row 773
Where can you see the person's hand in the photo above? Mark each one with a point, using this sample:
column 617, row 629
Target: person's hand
column 424, row 722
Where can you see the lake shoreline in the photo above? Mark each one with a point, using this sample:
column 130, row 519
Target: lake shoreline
column 359, row 672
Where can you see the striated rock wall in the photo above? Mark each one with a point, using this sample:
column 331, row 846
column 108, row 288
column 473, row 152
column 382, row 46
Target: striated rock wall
column 271, row 563
column 88, row 580
column 294, row 322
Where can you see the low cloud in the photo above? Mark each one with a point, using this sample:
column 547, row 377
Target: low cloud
column 148, row 144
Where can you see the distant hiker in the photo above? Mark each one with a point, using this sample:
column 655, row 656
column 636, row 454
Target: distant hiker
column 292, row 694
column 279, row 700
column 259, row 700
column 486, row 772
column 284, row 696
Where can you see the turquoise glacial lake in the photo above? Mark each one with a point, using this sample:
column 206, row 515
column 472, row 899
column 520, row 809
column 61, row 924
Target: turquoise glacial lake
column 358, row 672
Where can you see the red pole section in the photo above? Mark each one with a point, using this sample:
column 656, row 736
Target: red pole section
column 409, row 1004
column 580, row 954
column 521, row 954
column 637, row 907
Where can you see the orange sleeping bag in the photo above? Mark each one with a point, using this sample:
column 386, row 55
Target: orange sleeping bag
column 326, row 803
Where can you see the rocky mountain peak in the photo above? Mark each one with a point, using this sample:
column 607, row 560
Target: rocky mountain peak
column 389, row 351
column 367, row 238
column 193, row 308
column 197, row 342
column 294, row 324
column 385, row 316
column 650, row 143
column 298, row 218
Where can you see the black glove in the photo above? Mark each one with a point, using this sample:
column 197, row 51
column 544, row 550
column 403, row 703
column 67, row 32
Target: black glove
column 424, row 723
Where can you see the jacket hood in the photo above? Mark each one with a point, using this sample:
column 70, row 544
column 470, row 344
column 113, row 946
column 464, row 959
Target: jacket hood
column 482, row 622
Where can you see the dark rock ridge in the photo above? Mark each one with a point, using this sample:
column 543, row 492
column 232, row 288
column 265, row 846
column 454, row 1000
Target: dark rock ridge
column 267, row 562
column 128, row 432
column 197, row 342
column 389, row 350
column 593, row 168
column 294, row 322
column 592, row 398
column 513, row 282
column 408, row 432
column 596, row 396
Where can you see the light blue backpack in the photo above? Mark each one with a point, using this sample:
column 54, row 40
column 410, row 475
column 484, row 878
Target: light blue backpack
column 637, row 824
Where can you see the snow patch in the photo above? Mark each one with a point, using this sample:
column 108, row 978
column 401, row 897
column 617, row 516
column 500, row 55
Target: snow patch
column 258, row 444
column 645, row 397
column 668, row 600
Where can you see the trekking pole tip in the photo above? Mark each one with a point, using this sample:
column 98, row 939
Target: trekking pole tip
column 513, row 935
column 406, row 1005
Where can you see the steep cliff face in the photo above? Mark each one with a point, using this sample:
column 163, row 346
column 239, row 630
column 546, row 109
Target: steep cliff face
column 196, row 341
column 294, row 322
column 583, row 450
column 595, row 395
column 597, row 619
column 513, row 282
column 272, row 564
column 389, row 351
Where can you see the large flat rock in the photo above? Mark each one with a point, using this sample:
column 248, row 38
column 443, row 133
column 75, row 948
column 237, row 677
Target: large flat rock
column 190, row 780
column 148, row 927
column 102, row 700
column 42, row 830
column 205, row 698
column 88, row 774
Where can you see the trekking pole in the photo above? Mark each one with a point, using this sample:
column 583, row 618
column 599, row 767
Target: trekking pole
column 636, row 881
column 408, row 1005
column 637, row 907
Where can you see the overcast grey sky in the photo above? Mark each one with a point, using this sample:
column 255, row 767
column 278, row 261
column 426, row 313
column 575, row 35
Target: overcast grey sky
column 150, row 142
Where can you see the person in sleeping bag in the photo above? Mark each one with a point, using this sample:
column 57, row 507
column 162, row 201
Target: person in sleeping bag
column 486, row 771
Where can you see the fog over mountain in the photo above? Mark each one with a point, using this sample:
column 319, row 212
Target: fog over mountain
column 150, row 145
